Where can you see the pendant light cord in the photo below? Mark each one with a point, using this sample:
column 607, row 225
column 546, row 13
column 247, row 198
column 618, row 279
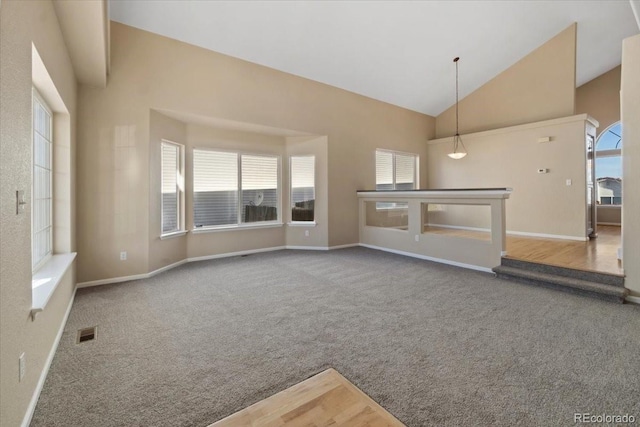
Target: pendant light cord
column 456, row 61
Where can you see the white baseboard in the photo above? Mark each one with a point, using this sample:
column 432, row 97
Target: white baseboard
column 232, row 254
column 617, row 224
column 515, row 233
column 632, row 299
column 47, row 364
column 113, row 280
column 428, row 258
column 350, row 245
column 307, row 248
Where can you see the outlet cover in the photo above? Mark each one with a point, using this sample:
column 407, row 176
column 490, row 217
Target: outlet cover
column 123, row 256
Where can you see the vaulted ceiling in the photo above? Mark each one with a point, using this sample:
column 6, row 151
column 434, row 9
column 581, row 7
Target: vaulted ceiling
column 394, row 51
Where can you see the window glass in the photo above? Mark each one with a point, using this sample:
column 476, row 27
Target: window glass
column 302, row 188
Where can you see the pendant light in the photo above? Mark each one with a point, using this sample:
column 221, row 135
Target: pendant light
column 459, row 150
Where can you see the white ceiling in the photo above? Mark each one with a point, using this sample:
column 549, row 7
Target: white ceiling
column 394, row 51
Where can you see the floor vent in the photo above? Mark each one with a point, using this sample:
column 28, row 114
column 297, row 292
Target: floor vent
column 87, row 334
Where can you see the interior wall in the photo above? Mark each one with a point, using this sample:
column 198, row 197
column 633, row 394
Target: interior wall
column 540, row 86
column 630, row 109
column 21, row 24
column 600, row 98
column 541, row 203
column 209, row 84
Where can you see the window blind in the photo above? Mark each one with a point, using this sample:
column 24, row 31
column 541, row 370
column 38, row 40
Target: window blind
column 384, row 170
column 215, row 188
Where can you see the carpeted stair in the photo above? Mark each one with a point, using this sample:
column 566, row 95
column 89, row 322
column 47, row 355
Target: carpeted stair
column 604, row 286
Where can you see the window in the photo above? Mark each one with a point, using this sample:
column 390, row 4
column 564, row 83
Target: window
column 172, row 187
column 303, row 191
column 233, row 189
column 395, row 171
column 609, row 166
column 42, row 212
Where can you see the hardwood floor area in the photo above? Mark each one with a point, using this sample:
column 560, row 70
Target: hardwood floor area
column 599, row 254
column 326, row 399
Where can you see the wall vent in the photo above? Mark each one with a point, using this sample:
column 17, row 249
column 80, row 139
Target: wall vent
column 87, row 334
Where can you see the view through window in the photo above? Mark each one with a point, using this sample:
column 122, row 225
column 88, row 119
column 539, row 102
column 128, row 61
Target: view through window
column 609, row 166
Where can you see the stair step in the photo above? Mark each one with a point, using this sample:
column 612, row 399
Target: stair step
column 590, row 276
column 598, row 290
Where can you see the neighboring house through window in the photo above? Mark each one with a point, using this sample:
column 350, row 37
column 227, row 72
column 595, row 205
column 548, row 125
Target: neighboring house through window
column 609, row 166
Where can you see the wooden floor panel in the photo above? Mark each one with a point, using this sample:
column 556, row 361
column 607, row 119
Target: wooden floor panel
column 599, row 254
column 326, row 399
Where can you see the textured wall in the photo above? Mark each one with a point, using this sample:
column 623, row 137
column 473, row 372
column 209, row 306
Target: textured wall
column 540, row 86
column 21, row 23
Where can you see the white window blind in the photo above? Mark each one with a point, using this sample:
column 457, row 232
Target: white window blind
column 303, row 188
column 384, row 170
column 396, row 171
column 172, row 190
column 41, row 213
column 232, row 188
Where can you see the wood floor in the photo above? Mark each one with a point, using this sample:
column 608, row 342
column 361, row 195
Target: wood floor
column 599, row 254
column 326, row 399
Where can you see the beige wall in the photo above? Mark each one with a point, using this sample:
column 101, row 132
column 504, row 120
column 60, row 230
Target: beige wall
column 600, row 98
column 631, row 161
column 511, row 157
column 21, row 23
column 540, row 86
column 208, row 84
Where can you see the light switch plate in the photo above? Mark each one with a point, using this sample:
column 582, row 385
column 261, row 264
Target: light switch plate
column 20, row 202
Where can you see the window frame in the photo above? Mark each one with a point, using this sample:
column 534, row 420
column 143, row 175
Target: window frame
column 180, row 189
column 313, row 221
column 607, row 153
column 239, row 224
column 416, row 177
column 37, row 265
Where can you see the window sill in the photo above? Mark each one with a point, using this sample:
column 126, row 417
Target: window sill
column 302, row 224
column 45, row 281
column 236, row 227
column 173, row 234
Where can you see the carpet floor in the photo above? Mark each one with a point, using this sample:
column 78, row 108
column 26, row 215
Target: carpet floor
column 433, row 344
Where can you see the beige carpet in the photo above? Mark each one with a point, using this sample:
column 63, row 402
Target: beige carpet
column 433, row 344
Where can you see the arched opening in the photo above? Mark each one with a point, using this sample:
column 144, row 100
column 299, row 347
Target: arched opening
column 608, row 168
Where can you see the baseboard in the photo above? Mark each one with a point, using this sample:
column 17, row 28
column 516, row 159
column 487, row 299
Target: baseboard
column 632, row 299
column 350, row 245
column 47, row 364
column 617, row 224
column 428, row 258
column 515, row 233
column 232, row 254
column 112, row 280
column 307, row 248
